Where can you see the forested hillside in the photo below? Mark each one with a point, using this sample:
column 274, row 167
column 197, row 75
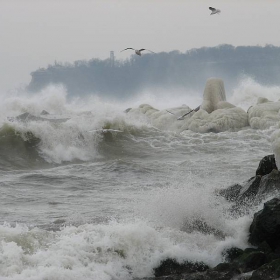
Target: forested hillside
column 163, row 70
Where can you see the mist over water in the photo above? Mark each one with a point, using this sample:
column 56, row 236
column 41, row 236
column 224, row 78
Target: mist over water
column 79, row 204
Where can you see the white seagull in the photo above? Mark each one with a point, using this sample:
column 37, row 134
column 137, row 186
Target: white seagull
column 214, row 11
column 183, row 116
column 138, row 52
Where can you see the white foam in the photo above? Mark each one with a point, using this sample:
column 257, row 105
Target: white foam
column 116, row 250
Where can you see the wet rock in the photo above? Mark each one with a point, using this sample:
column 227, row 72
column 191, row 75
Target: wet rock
column 250, row 189
column 257, row 188
column 170, row 266
column 270, row 184
column 231, row 193
column 200, row 225
column 232, row 253
column 266, row 225
column 272, row 257
column 239, row 193
column 266, row 165
column 264, row 247
column 250, row 260
column 260, row 263
column 223, row 271
column 270, row 271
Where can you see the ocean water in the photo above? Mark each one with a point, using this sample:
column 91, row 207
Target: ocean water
column 77, row 203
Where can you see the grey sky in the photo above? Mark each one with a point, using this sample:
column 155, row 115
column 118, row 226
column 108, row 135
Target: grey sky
column 35, row 33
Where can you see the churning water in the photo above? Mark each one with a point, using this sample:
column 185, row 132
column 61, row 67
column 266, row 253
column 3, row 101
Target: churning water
column 77, row 203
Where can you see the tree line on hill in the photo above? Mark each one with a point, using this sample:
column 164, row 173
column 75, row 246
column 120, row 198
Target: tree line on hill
column 123, row 78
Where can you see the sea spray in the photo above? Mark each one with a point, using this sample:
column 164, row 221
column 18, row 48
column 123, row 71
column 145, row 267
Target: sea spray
column 247, row 92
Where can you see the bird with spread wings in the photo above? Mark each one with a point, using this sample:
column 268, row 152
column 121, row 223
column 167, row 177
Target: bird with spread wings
column 138, row 52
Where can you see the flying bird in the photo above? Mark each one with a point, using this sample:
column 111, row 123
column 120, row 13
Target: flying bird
column 183, row 116
column 138, row 52
column 214, row 11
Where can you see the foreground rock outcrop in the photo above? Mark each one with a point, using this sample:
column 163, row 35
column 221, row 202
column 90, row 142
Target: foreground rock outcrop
column 266, row 226
column 259, row 262
column 265, row 184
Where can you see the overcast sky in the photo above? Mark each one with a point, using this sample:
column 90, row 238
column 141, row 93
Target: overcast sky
column 35, row 33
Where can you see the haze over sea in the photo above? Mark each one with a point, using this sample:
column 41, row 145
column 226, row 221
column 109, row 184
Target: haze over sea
column 80, row 204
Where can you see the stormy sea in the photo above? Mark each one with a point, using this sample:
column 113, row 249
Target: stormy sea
column 107, row 190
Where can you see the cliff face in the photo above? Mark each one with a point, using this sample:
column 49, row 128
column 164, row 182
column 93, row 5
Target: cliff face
column 163, row 70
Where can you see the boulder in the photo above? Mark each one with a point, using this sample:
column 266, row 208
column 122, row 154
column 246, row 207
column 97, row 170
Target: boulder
column 250, row 189
column 270, row 184
column 264, row 184
column 250, row 260
column 270, row 271
column 171, row 266
column 266, row 226
column 231, row 254
column 266, row 165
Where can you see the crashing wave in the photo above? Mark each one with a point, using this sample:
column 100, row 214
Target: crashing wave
column 25, row 117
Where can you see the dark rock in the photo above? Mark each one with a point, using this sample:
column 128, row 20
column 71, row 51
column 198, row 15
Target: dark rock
column 224, row 267
column 269, row 271
column 266, row 225
column 222, row 272
column 170, row 266
column 272, row 256
column 232, row 253
column 264, row 233
column 231, row 193
column 201, row 226
column 269, row 183
column 266, row 165
column 264, row 247
column 255, row 190
column 242, row 194
column 250, row 260
column 250, row 189
column 209, row 275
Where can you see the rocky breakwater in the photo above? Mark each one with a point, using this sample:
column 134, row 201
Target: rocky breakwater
column 215, row 114
column 261, row 261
